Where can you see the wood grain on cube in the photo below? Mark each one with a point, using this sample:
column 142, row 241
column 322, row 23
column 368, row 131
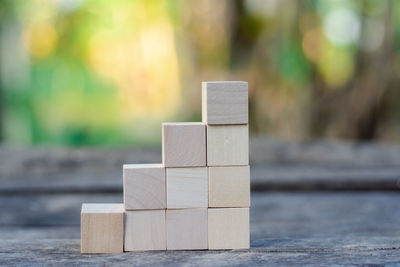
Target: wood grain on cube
column 229, row 186
column 228, row 228
column 187, row 187
column 184, row 144
column 187, row 229
column 225, row 102
column 144, row 186
column 145, row 230
column 102, row 228
column 227, row 145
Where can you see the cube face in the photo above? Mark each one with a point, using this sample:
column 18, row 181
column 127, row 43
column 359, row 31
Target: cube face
column 187, row 229
column 184, row 144
column 227, row 145
column 228, row 228
column 145, row 230
column 144, row 186
column 187, row 187
column 225, row 102
column 229, row 187
column 102, row 228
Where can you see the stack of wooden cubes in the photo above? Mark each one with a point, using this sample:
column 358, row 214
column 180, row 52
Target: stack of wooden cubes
column 197, row 199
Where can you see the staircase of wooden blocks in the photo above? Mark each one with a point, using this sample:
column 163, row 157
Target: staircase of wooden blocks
column 197, row 199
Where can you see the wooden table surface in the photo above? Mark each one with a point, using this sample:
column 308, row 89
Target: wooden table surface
column 306, row 210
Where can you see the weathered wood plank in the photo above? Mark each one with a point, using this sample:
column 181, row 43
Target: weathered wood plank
column 263, row 178
column 48, row 210
column 275, row 166
column 276, row 252
column 49, row 160
column 271, row 213
column 286, row 229
column 40, row 161
column 321, row 178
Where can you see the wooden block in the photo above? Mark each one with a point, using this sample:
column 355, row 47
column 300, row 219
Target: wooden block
column 187, row 229
column 184, row 144
column 145, row 230
column 224, row 102
column 144, row 186
column 102, row 228
column 229, row 187
column 187, row 188
column 227, row 145
column 228, row 228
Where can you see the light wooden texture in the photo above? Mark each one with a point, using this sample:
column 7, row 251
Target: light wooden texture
column 102, row 228
column 228, row 228
column 187, row 187
column 187, row 229
column 144, row 186
column 229, row 187
column 145, row 230
column 224, row 102
column 227, row 145
column 184, row 144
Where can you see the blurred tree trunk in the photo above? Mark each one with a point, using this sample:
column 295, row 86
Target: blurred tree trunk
column 355, row 110
column 1, row 90
column 372, row 83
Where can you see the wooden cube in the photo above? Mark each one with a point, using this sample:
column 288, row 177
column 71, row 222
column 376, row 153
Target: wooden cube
column 227, row 145
column 184, row 144
column 228, row 228
column 187, row 188
column 224, row 102
column 229, row 187
column 144, row 186
column 102, row 228
column 187, row 229
column 145, row 230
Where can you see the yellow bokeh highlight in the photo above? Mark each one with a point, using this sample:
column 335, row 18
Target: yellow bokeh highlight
column 336, row 65
column 41, row 40
column 144, row 67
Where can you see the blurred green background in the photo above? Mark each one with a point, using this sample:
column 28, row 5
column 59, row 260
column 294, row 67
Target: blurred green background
column 77, row 72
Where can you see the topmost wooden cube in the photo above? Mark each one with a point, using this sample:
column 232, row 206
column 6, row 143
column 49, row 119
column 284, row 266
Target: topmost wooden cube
column 224, row 102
